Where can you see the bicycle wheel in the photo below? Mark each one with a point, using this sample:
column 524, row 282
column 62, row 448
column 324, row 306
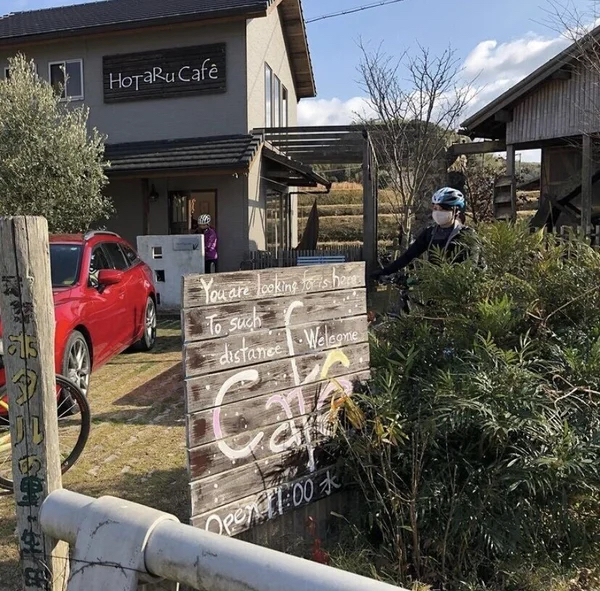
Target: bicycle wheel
column 74, row 420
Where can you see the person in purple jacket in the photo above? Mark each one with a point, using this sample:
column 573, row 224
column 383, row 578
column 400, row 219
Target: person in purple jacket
column 210, row 243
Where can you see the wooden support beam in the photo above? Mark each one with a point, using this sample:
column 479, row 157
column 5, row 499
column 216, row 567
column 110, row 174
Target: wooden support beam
column 486, row 147
column 511, row 173
column 27, row 310
column 586, row 185
column 369, row 208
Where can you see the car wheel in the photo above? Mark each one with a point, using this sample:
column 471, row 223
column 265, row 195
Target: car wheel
column 77, row 364
column 148, row 340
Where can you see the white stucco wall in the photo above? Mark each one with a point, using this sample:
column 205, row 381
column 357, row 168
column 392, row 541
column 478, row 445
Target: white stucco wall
column 266, row 43
column 178, row 256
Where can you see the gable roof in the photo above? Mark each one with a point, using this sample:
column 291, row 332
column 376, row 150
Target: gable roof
column 483, row 124
column 121, row 15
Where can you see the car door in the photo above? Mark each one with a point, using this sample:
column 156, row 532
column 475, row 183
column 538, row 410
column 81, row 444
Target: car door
column 104, row 312
column 127, row 312
column 140, row 287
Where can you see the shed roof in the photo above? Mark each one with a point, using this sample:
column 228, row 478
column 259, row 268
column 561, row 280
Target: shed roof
column 220, row 153
column 484, row 123
column 120, row 15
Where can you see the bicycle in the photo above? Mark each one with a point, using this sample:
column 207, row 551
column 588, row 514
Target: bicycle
column 74, row 421
column 398, row 299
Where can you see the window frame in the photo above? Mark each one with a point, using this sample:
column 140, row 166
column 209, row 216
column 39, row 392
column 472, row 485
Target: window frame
column 136, row 261
column 64, row 63
column 276, row 100
column 6, row 73
column 285, row 107
column 269, row 74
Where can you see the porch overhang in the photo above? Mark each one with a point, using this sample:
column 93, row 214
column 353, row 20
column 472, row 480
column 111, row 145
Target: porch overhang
column 291, row 173
column 208, row 155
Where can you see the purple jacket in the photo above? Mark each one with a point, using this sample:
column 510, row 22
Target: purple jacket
column 210, row 245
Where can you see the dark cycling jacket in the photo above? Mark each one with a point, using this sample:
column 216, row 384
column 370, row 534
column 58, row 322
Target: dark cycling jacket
column 431, row 237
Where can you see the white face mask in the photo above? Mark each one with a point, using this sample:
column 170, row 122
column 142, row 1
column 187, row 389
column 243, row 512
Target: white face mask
column 443, row 218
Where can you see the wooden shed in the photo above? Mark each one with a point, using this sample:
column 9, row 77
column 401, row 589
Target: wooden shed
column 555, row 109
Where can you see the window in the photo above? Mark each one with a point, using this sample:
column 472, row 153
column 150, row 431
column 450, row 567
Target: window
column 277, row 102
column 6, row 73
column 73, row 69
column 116, row 256
column 97, row 263
column 268, row 96
column 130, row 254
column 284, row 106
column 64, row 264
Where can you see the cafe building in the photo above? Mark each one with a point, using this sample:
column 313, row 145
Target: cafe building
column 181, row 90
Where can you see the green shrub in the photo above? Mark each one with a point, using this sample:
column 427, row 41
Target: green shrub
column 477, row 451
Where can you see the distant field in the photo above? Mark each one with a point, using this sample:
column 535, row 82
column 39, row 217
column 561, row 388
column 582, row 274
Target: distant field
column 341, row 216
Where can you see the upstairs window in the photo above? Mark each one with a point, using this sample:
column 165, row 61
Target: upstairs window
column 72, row 71
column 277, row 103
column 284, row 106
column 268, row 96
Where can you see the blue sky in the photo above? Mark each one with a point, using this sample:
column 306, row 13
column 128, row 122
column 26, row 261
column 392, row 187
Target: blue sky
column 499, row 41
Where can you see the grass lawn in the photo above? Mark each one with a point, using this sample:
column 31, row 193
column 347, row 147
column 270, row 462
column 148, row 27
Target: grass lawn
column 136, row 448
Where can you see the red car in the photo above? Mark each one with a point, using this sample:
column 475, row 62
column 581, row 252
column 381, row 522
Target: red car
column 104, row 302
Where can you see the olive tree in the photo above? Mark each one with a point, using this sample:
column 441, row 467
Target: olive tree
column 50, row 163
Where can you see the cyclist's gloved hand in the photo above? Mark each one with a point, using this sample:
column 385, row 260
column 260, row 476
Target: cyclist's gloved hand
column 377, row 274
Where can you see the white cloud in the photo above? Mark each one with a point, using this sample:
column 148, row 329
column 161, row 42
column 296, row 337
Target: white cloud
column 490, row 69
column 333, row 111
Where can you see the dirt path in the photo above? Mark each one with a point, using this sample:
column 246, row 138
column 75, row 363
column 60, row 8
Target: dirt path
column 136, row 448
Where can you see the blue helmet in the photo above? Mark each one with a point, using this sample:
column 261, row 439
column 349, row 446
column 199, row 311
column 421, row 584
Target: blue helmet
column 449, row 197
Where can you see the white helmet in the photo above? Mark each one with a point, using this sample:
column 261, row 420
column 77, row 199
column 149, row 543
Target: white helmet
column 204, row 219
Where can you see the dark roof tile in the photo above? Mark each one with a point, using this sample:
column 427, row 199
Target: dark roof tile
column 208, row 153
column 108, row 13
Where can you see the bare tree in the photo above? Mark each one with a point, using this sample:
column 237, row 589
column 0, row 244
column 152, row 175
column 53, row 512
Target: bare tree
column 418, row 101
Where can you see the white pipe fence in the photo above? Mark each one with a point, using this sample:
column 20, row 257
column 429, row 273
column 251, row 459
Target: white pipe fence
column 116, row 543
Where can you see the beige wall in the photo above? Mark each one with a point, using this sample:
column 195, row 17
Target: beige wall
column 266, row 43
column 232, row 213
column 184, row 117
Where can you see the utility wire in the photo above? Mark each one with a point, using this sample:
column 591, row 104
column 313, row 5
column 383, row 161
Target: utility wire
column 353, row 10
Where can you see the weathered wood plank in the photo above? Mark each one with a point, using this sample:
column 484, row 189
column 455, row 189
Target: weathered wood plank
column 266, row 345
column 222, row 489
column 201, row 392
column 220, row 321
column 229, row 288
column 252, row 510
column 27, row 310
column 228, row 419
column 285, row 422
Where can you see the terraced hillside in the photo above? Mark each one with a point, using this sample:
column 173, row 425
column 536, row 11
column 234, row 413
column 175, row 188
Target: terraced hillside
column 341, row 216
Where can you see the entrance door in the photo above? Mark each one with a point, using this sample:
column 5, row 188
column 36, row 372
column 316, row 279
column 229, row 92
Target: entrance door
column 185, row 207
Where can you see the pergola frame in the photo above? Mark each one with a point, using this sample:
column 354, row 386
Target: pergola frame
column 349, row 144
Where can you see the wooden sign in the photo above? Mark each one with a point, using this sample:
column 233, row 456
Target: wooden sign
column 268, row 356
column 27, row 311
column 165, row 73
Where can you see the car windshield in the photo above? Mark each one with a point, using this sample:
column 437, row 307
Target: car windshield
column 64, row 264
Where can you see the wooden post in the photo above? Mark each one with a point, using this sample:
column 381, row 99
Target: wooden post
column 586, row 186
column 369, row 210
column 27, row 310
column 511, row 172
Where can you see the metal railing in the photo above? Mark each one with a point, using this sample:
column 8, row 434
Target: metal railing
column 116, row 544
column 264, row 259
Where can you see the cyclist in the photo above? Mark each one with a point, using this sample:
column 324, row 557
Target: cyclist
column 448, row 207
